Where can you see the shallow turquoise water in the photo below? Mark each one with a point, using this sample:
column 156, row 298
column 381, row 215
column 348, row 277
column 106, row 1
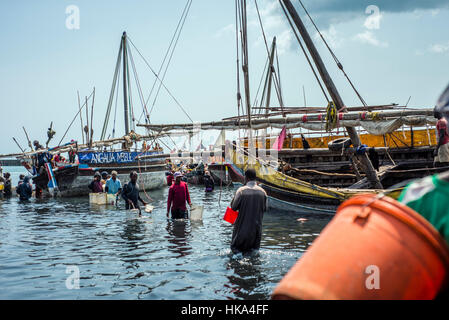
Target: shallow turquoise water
column 121, row 256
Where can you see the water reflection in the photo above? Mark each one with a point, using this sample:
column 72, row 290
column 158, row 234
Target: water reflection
column 178, row 235
column 123, row 256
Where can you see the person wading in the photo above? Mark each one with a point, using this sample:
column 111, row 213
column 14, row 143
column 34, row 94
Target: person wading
column 178, row 195
column 113, row 185
column 209, row 182
column 24, row 190
column 95, row 186
column 130, row 193
column 7, row 191
column 251, row 203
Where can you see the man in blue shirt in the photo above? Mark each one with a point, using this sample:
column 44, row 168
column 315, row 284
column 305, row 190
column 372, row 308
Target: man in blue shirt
column 113, row 185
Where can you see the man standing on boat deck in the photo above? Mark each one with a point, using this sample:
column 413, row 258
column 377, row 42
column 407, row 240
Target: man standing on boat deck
column 130, row 193
column 178, row 195
column 113, row 185
column 251, row 202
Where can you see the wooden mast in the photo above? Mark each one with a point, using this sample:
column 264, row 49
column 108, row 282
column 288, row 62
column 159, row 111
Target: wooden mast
column 370, row 172
column 125, row 91
column 270, row 75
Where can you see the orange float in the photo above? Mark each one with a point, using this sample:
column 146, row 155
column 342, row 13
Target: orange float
column 374, row 248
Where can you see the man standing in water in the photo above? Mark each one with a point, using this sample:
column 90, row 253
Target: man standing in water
column 251, row 202
column 25, row 190
column 113, row 185
column 178, row 195
column 130, row 193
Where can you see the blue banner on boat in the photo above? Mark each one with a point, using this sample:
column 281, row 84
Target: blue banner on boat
column 113, row 157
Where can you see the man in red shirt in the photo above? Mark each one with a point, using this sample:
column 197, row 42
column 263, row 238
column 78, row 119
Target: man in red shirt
column 442, row 149
column 178, row 195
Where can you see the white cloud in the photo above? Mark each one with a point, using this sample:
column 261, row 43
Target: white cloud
column 331, row 36
column 368, row 37
column 439, row 47
column 274, row 24
column 229, row 29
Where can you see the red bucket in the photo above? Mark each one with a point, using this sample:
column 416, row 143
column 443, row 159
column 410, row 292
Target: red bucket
column 230, row 215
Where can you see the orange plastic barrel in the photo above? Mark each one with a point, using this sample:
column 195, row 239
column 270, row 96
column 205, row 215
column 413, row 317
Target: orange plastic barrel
column 374, row 248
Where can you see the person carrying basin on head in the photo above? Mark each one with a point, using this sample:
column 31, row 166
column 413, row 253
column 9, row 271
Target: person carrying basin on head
column 178, row 195
column 95, row 186
column 130, row 193
column 251, row 203
column 24, row 190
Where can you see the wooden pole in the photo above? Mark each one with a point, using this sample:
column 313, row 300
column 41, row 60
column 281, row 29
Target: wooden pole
column 332, row 89
column 91, row 120
column 81, row 117
column 86, row 128
column 125, row 92
column 18, row 144
column 270, row 75
column 29, row 141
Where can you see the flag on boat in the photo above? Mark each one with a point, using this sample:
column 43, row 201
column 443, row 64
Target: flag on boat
column 277, row 145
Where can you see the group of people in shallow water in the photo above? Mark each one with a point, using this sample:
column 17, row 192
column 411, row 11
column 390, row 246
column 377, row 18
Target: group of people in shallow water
column 250, row 201
column 23, row 190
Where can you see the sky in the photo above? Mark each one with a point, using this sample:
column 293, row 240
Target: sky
column 392, row 50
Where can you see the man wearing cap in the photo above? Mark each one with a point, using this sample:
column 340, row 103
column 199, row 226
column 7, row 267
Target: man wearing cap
column 178, row 195
column 96, row 185
column 113, row 185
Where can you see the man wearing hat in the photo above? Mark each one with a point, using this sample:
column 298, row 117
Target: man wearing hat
column 96, row 185
column 178, row 195
column 113, row 185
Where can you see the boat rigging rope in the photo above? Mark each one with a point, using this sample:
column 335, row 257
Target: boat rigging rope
column 239, row 95
column 163, row 63
column 304, row 51
column 136, row 78
column 276, row 81
column 116, row 103
column 154, row 73
column 111, row 95
column 339, row 65
column 171, row 55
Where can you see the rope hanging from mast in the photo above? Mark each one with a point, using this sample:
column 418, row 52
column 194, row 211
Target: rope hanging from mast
column 339, row 64
column 304, row 51
column 157, row 77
